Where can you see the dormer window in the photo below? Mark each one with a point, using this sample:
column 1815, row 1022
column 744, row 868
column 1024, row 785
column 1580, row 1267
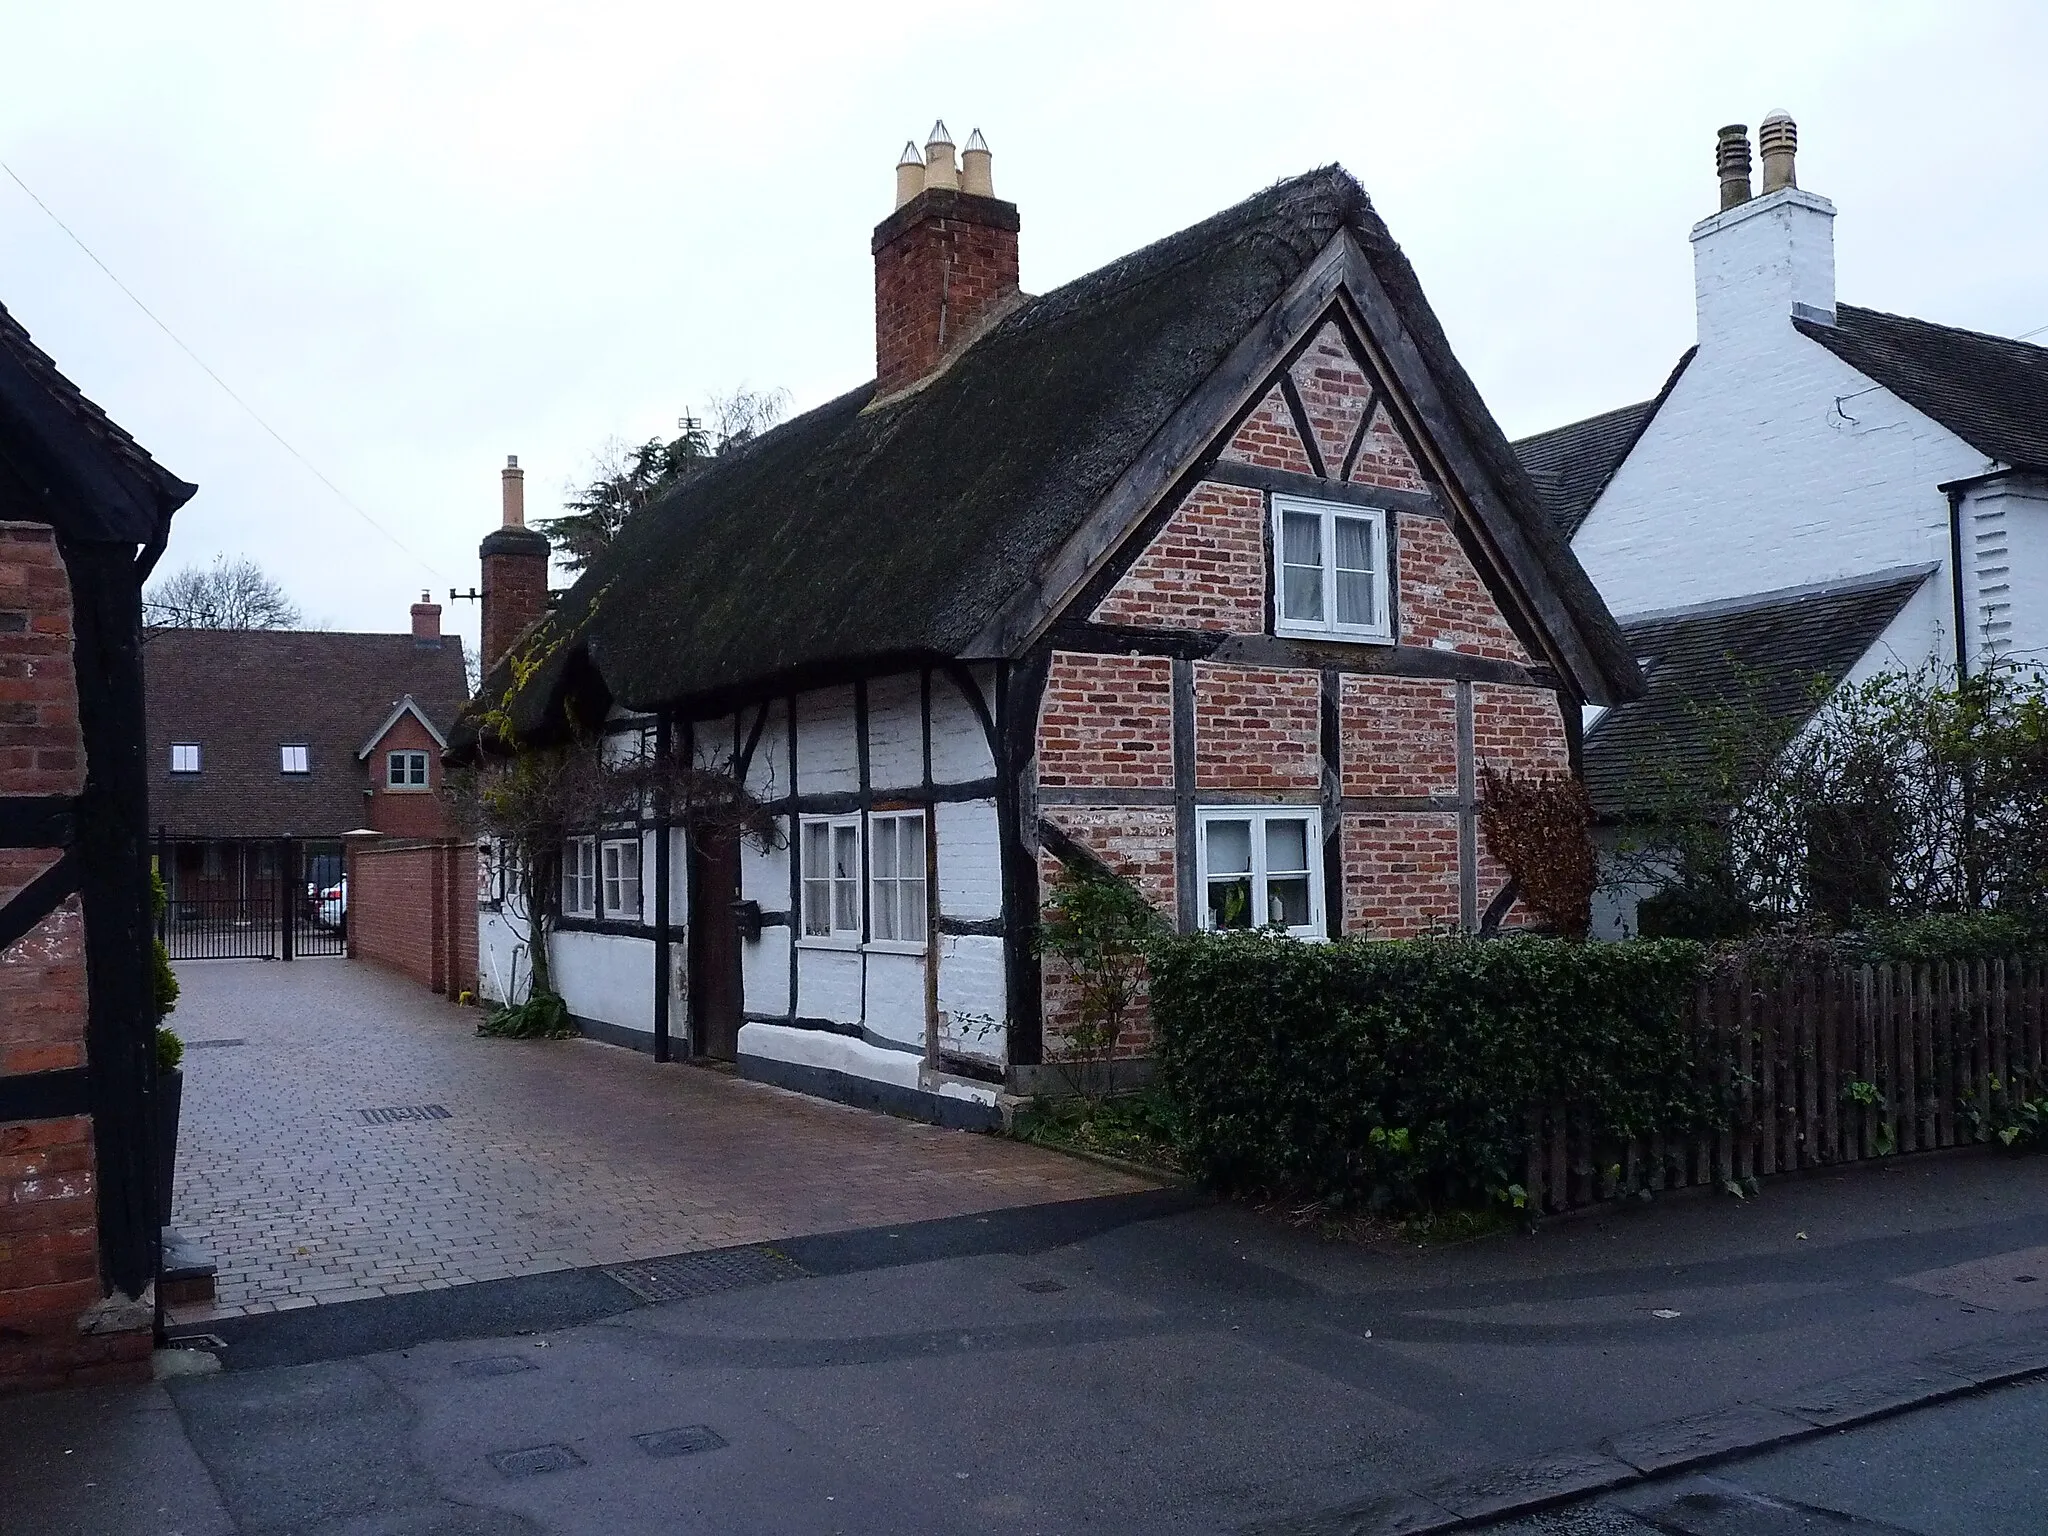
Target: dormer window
column 405, row 770
column 292, row 758
column 1330, row 564
column 184, row 757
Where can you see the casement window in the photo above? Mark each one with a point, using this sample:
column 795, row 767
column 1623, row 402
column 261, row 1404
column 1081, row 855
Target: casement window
column 405, row 770
column 184, row 757
column 830, row 853
column 619, row 861
column 896, row 877
column 292, row 759
column 579, row 877
column 1262, row 866
column 1331, row 565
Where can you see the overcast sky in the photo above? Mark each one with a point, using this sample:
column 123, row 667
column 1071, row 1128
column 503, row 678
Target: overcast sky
column 419, row 236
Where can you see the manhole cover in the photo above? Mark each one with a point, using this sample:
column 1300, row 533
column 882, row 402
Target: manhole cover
column 401, row 1112
column 1042, row 1287
column 535, row 1460
column 200, row 1045
column 494, row 1365
column 687, row 1441
column 704, row 1274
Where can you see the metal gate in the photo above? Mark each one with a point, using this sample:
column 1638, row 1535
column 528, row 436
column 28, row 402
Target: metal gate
column 251, row 899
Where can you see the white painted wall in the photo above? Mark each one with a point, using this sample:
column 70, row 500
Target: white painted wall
column 606, row 977
column 2005, row 560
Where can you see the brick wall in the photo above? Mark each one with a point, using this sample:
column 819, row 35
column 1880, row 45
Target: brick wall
column 49, row 1214
column 1442, row 602
column 1400, row 737
column 412, row 909
column 1257, row 728
column 1107, row 721
column 1205, row 570
column 1400, row 873
column 1334, row 394
column 1137, row 844
column 1267, row 438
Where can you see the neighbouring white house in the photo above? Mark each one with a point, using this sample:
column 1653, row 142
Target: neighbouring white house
column 1818, row 493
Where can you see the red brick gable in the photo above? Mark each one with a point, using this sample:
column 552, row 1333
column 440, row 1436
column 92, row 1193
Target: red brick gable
column 1268, row 438
column 1335, row 394
column 1205, row 570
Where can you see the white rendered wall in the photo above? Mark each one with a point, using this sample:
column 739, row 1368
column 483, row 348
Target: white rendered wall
column 2005, row 553
column 606, row 977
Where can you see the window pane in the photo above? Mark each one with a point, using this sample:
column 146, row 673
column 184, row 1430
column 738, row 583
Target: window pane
column 1301, row 595
column 1230, row 847
column 1301, row 538
column 1286, row 845
column 1230, row 903
column 1354, row 543
column 1356, row 599
column 910, row 895
column 845, row 853
column 882, row 855
column 817, row 908
column 910, row 847
column 1287, row 900
column 846, row 879
column 816, row 844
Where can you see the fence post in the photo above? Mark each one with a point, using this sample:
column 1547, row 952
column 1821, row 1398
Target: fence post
column 287, row 892
column 165, row 874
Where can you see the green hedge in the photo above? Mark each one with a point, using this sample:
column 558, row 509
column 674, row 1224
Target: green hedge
column 1401, row 1074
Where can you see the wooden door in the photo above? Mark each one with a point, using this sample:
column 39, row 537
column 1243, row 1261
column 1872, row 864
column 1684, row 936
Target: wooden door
column 714, row 946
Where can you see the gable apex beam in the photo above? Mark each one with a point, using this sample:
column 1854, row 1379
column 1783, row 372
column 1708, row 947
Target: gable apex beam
column 1172, row 453
column 1465, row 481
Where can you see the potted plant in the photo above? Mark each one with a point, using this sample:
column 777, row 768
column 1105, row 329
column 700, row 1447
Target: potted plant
column 170, row 1052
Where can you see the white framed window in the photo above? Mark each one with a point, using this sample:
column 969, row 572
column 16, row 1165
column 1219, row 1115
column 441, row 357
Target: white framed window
column 405, row 770
column 1261, row 866
column 831, row 878
column 896, row 878
column 579, row 877
column 291, row 758
column 619, row 863
column 1330, row 564
column 184, row 757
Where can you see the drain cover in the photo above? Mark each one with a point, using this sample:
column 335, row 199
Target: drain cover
column 200, row 1045
column 704, row 1274
column 687, row 1441
column 399, row 1112
column 1042, row 1287
column 494, row 1365
column 535, row 1460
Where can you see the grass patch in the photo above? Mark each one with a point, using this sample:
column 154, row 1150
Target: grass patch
column 1136, row 1127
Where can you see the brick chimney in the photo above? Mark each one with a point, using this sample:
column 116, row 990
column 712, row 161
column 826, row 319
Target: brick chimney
column 944, row 260
column 426, row 622
column 515, row 561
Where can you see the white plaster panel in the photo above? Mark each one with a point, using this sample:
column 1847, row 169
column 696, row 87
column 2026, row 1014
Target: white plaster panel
column 960, row 752
column 764, row 972
column 835, row 1053
column 768, row 769
column 1916, row 632
column 972, row 996
column 895, row 998
column 501, row 958
column 606, row 977
column 764, row 872
column 826, row 760
column 896, row 732
column 712, row 742
column 970, row 859
column 828, row 984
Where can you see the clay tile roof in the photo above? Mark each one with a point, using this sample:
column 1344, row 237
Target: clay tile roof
column 242, row 694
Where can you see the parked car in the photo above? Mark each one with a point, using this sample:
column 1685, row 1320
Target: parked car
column 332, row 904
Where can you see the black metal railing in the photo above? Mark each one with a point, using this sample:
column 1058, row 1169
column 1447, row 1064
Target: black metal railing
column 273, row 899
column 237, row 927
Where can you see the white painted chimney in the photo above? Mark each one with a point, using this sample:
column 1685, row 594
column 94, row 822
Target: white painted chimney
column 1762, row 261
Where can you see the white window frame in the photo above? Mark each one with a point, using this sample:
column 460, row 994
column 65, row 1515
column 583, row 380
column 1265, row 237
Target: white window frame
column 1328, row 628
column 612, row 856
column 876, row 881
column 177, row 763
column 404, row 785
column 1317, row 926
column 834, row 934
column 579, row 877
column 295, row 766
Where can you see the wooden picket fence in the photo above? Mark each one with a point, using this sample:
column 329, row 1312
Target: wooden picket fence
column 1824, row 1066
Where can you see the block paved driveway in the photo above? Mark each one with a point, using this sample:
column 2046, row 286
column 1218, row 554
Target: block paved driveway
column 552, row 1154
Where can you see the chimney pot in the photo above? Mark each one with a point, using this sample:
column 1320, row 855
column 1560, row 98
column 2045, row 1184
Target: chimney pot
column 977, row 173
column 909, row 174
column 1731, row 164
column 939, row 169
column 514, row 482
column 1778, row 141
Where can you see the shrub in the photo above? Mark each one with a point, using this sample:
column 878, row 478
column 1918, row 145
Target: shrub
column 163, row 980
column 170, row 1050
column 1403, row 1074
column 1099, row 927
column 543, row 1016
column 1937, row 936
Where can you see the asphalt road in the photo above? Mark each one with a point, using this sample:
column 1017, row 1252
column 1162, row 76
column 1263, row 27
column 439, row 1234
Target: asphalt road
column 1138, row 1364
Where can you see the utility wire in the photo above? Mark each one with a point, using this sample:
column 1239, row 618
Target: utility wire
column 314, row 469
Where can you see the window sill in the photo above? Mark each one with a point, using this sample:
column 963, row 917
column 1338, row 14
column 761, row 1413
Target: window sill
column 895, row 946
column 408, row 789
column 1289, row 631
column 847, row 944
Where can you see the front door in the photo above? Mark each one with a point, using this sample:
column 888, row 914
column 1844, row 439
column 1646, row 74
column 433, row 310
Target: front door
column 714, row 946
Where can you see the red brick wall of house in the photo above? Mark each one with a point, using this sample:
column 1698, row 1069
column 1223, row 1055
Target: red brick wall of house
column 412, row 909
column 1106, row 727
column 49, row 1212
column 406, row 812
